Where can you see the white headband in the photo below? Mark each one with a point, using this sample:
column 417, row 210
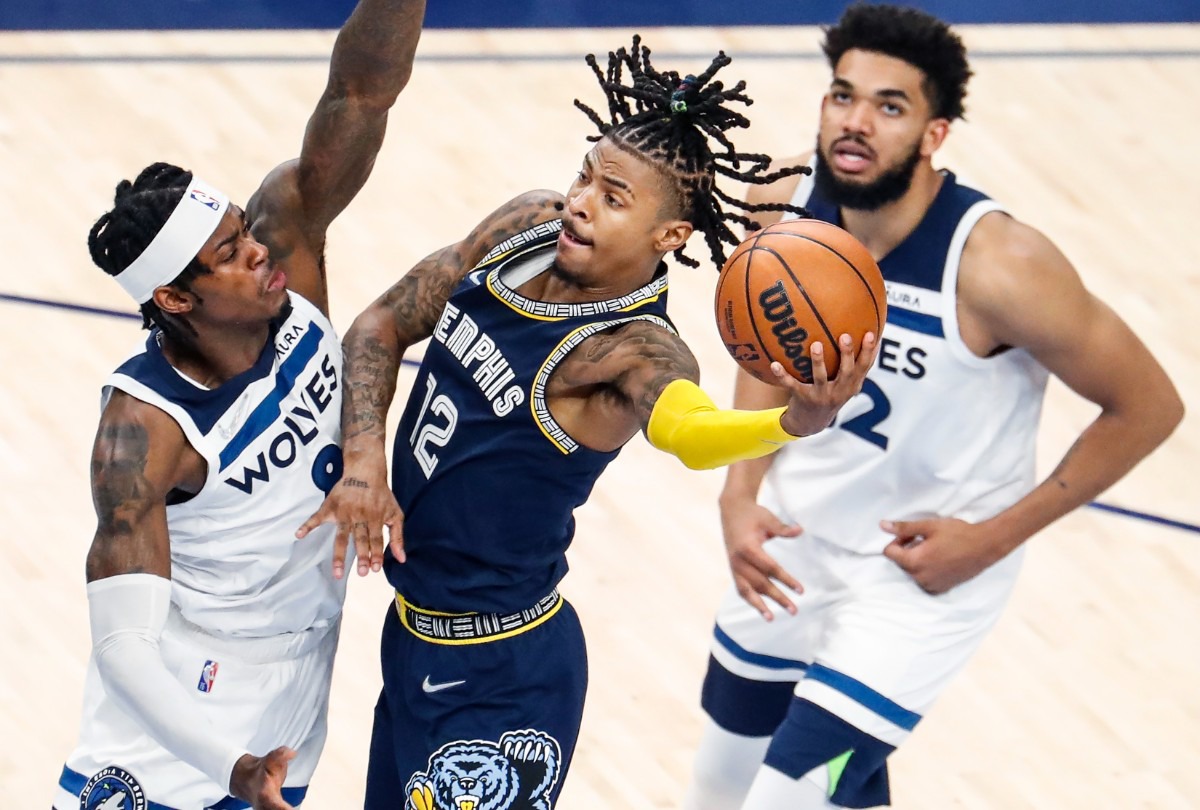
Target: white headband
column 190, row 225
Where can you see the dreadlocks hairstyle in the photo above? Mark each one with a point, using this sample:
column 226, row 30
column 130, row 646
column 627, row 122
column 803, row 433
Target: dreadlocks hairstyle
column 912, row 36
column 140, row 209
column 674, row 122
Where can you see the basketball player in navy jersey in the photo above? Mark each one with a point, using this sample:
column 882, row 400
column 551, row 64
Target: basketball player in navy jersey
column 213, row 628
column 551, row 348
column 915, row 504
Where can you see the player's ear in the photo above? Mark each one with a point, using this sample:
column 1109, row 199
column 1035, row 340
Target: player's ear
column 935, row 133
column 172, row 301
column 672, row 235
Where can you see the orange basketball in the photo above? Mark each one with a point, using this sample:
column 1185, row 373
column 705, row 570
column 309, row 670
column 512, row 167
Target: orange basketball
column 793, row 283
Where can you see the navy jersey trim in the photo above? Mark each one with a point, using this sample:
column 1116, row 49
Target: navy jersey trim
column 535, row 234
column 204, row 406
column 916, row 321
column 758, row 659
column 268, row 410
column 860, row 693
column 545, row 310
column 537, row 399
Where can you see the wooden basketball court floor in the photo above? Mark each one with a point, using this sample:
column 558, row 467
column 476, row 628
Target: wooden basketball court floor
column 1085, row 696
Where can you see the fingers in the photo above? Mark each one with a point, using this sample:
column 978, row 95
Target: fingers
column 756, row 574
column 868, row 350
column 846, row 363
column 281, row 756
column 340, row 541
column 364, row 535
column 320, row 516
column 820, row 374
column 275, row 766
column 906, row 530
column 397, row 543
column 371, row 557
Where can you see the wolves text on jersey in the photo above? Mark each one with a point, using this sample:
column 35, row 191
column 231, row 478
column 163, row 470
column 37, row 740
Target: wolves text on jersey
column 298, row 426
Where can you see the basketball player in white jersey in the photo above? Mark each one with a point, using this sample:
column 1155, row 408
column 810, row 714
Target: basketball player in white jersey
column 915, row 503
column 213, row 627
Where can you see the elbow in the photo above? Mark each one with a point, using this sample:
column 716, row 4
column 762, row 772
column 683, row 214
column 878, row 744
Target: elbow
column 1174, row 413
column 375, row 325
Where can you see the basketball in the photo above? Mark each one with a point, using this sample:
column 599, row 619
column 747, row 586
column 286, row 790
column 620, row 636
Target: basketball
column 793, row 283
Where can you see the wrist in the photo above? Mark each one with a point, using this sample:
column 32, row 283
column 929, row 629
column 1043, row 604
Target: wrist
column 364, row 451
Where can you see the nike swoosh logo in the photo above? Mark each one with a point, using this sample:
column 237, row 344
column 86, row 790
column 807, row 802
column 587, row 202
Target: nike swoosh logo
column 430, row 688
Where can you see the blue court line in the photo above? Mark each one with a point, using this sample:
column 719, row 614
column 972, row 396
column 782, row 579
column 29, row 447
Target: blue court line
column 1133, row 513
column 108, row 313
column 113, row 313
column 470, row 58
column 41, row 302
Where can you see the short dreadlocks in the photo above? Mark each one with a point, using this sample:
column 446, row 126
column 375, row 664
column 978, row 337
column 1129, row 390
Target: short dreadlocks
column 671, row 121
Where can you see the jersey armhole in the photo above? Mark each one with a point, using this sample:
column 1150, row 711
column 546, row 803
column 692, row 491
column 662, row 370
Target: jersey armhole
column 970, row 219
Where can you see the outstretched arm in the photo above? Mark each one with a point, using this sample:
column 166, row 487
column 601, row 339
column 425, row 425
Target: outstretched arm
column 361, row 504
column 140, row 454
column 371, row 63
column 1038, row 303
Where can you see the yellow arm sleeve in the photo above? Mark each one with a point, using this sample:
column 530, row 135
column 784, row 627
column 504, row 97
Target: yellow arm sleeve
column 686, row 423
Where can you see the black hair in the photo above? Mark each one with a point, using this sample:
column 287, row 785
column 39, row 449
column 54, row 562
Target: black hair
column 140, row 209
column 921, row 40
column 672, row 121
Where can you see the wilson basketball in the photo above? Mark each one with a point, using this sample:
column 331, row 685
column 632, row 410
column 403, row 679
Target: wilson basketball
column 793, row 283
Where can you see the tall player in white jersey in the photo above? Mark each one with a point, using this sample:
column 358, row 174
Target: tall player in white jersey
column 214, row 627
column 915, row 503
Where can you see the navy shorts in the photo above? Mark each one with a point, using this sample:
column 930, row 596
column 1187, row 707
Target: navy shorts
column 803, row 735
column 475, row 711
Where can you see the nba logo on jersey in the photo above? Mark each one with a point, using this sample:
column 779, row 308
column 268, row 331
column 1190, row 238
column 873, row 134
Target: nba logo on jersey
column 202, row 198
column 207, row 676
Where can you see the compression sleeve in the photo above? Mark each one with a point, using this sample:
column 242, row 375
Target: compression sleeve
column 128, row 613
column 686, row 423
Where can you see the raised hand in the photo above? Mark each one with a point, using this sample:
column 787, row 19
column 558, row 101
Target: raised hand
column 813, row 406
column 361, row 504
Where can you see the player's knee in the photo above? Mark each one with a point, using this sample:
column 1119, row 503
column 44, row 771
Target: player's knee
column 724, row 768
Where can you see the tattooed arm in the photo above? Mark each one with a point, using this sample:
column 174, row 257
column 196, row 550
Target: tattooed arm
column 643, row 377
column 129, row 489
column 371, row 63
column 139, row 456
column 362, row 503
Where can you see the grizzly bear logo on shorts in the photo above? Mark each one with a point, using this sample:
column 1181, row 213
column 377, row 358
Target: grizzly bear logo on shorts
column 516, row 774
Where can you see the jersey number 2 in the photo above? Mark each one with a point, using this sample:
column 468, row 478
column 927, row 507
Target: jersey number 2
column 863, row 425
column 427, row 435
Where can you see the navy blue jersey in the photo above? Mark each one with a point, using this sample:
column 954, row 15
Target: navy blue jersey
column 919, row 260
column 488, row 481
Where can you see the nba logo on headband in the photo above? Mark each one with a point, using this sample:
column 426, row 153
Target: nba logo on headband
column 174, row 247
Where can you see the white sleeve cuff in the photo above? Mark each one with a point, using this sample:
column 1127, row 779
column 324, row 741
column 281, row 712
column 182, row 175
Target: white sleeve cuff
column 128, row 613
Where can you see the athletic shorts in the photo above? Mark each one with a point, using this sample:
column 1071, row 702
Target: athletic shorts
column 866, row 655
column 259, row 693
column 477, row 710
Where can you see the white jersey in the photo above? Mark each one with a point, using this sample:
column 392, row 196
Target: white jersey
column 271, row 438
column 936, row 430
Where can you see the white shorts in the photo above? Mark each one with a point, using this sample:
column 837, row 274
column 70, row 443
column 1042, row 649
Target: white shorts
column 866, row 644
column 260, row 693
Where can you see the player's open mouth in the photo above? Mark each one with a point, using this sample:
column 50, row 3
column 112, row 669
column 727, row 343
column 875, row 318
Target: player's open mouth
column 851, row 156
column 569, row 237
column 277, row 281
